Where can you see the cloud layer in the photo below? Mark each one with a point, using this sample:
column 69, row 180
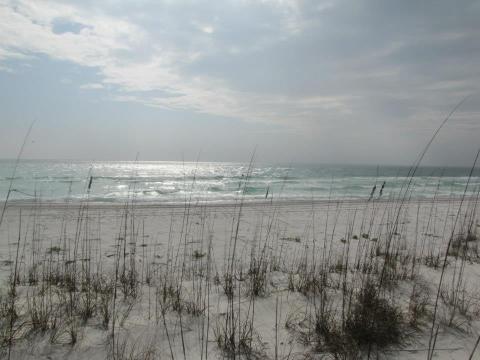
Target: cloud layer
column 310, row 65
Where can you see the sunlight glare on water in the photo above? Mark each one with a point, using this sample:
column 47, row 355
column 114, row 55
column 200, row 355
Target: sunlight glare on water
column 173, row 182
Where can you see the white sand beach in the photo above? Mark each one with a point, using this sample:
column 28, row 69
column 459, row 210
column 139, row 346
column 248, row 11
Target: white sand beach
column 189, row 248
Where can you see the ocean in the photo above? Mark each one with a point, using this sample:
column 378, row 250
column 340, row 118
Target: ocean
column 175, row 182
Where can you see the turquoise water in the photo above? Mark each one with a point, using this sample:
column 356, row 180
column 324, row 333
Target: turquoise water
column 173, row 182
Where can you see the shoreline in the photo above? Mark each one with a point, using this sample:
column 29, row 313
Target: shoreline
column 55, row 204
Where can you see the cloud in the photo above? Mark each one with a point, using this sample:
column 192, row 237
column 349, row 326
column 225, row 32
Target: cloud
column 296, row 63
column 115, row 47
column 91, row 86
column 6, row 53
column 6, row 69
column 206, row 28
column 28, row 27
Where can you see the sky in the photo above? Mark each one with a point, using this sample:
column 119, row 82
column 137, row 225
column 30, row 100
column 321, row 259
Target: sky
column 293, row 80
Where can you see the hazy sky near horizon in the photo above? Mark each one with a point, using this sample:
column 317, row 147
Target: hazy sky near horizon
column 303, row 81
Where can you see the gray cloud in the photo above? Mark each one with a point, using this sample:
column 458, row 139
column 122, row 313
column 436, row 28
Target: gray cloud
column 333, row 71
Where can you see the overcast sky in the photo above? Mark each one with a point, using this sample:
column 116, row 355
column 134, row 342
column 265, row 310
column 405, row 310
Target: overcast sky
column 304, row 81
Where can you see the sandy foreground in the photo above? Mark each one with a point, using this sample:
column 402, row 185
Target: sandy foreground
column 193, row 244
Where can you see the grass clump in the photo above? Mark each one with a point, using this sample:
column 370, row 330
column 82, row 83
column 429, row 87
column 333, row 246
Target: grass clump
column 418, row 303
column 374, row 321
column 371, row 324
column 198, row 254
column 244, row 342
column 54, row 250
